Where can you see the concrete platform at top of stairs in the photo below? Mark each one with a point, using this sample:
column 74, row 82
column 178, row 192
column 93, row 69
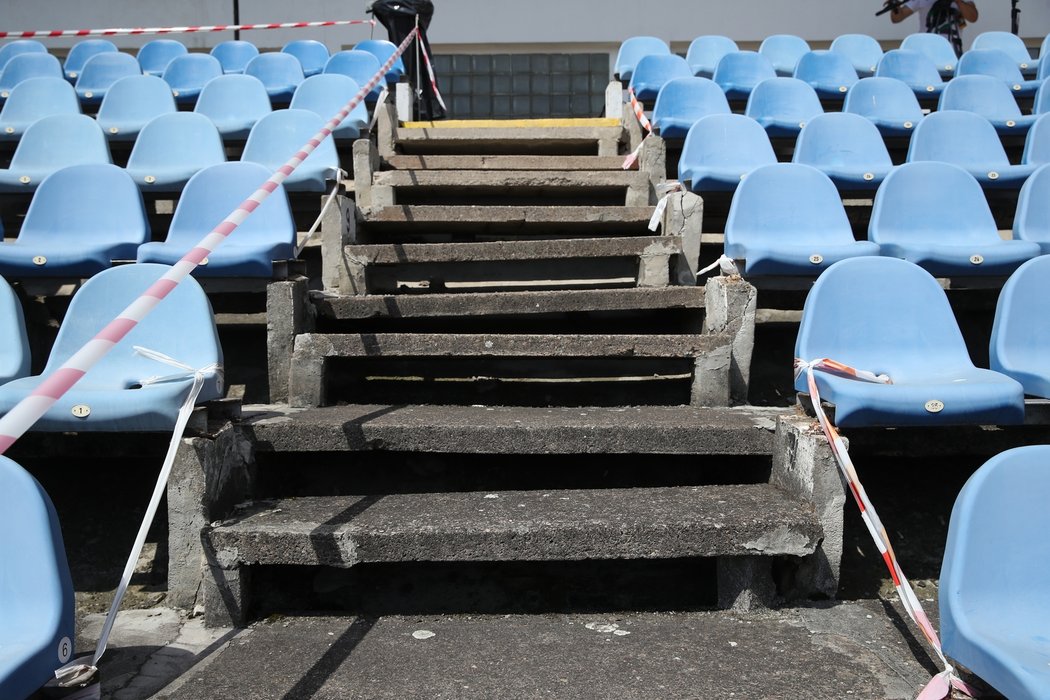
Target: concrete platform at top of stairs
column 506, row 163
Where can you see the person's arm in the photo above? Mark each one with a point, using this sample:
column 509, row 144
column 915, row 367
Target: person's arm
column 898, row 14
column 967, row 10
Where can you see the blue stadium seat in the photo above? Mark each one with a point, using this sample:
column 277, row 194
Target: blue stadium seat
column 887, row 103
column 783, row 52
column 720, row 150
column 19, row 46
column 154, row 56
column 36, row 590
column 684, row 101
column 1010, row 44
column 52, row 143
column 936, row 48
column 788, row 219
column 58, row 240
column 738, row 73
column 188, row 74
column 234, row 55
column 914, row 69
column 999, row 65
column 633, row 50
column 829, row 73
column 993, row 586
column 1044, row 47
column 891, row 317
column 279, row 72
column 32, row 99
column 783, row 106
column 706, row 51
column 863, row 51
column 652, row 72
column 276, row 137
column 25, row 66
column 311, row 53
column 15, row 356
column 130, row 103
column 1041, row 105
column 234, row 103
column 208, row 198
column 1032, row 218
column 935, row 215
column 988, row 97
column 359, row 65
column 1020, row 338
column 171, row 149
column 82, row 52
column 116, row 391
column 383, row 50
column 100, row 72
column 325, row 95
column 1037, row 143
column 847, row 148
column 939, row 136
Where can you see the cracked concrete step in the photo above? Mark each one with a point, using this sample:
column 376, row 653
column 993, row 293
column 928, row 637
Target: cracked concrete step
column 515, row 430
column 589, row 137
column 551, row 221
column 521, row 162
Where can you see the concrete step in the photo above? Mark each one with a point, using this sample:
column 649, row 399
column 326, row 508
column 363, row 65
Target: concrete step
column 520, row 162
column 587, row 137
column 507, row 221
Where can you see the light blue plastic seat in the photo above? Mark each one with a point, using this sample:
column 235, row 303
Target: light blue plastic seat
column 1021, row 332
column 383, row 50
column 312, row 55
column 32, row 99
column 25, row 66
column 187, row 75
column 82, row 52
column 788, row 219
column 738, row 73
column 116, row 390
column 1044, row 47
column 652, row 72
column 936, row 48
column 935, row 215
column 847, row 148
column 100, row 72
column 684, row 101
column 279, row 72
column 891, row 317
column 58, row 240
column 173, row 148
column 783, row 106
column 1043, row 72
column 154, row 56
column 783, row 52
column 359, row 65
column 720, row 150
column 706, row 51
column 15, row 355
column 999, row 65
column 633, row 50
column 1010, row 44
column 278, row 136
column 989, row 97
column 234, row 103
column 830, row 74
column 208, row 198
column 887, row 103
column 325, row 95
column 1037, row 143
column 914, row 69
column 19, row 46
column 36, row 591
column 1041, row 105
column 52, row 143
column 863, row 51
column 993, row 585
column 130, row 103
column 1032, row 217
column 234, row 55
column 968, row 140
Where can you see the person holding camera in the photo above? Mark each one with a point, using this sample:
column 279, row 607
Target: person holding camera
column 944, row 17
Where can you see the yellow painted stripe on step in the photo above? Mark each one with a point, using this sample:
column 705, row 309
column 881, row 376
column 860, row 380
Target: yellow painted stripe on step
column 509, row 123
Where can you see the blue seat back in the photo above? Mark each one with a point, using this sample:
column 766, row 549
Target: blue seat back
column 325, row 95
column 706, row 51
column 234, row 55
column 383, row 50
column 913, row 68
column 279, row 135
column 981, row 94
column 743, row 69
column 1010, row 44
column 783, row 51
column 783, row 100
column 1037, row 143
column 36, row 591
column 155, row 55
column 311, row 53
column 931, row 202
column 234, row 102
column 132, row 102
column 1043, row 72
column 101, row 71
column 275, row 69
column 1041, row 105
column 1032, row 217
column 939, row 135
column 991, row 62
column 841, row 139
column 1021, row 330
column 689, row 99
column 15, row 356
column 633, row 50
column 359, row 65
column 33, row 99
column 61, row 140
column 726, row 140
column 826, row 71
column 25, row 66
column 862, row 51
column 884, row 100
column 19, row 46
column 189, row 73
column 652, row 72
column 935, row 47
column 82, row 52
column 177, row 140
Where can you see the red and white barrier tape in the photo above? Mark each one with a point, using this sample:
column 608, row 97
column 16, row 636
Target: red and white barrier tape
column 433, row 79
column 665, row 190
column 180, row 30
column 940, row 686
column 639, row 113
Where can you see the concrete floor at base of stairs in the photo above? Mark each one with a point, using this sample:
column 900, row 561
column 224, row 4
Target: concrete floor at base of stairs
column 838, row 650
